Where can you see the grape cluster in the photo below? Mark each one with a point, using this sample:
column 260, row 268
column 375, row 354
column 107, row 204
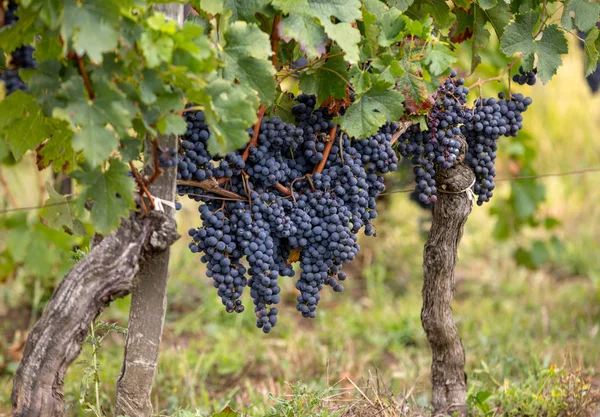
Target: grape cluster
column 330, row 188
column 491, row 119
column 21, row 58
column 436, row 146
column 167, row 158
column 523, row 77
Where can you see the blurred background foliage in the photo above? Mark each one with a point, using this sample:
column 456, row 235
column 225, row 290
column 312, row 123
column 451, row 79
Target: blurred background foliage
column 527, row 294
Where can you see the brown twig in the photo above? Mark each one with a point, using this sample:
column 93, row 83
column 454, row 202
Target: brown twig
column 11, row 198
column 260, row 114
column 157, row 170
column 319, row 167
column 211, row 186
column 86, row 79
column 142, row 188
column 498, row 78
column 283, row 189
column 275, row 40
column 403, row 127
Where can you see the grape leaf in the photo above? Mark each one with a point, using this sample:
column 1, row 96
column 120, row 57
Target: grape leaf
column 549, row 49
column 438, row 10
column 171, row 124
column 360, row 80
column 246, row 9
column 130, row 149
column 344, row 10
column 462, row 29
column 401, row 5
column 328, row 80
column 580, row 14
column 58, row 213
column 290, row 6
column 304, row 30
column 245, row 54
column 518, row 35
column 19, row 33
column 111, row 192
column 499, row 16
column 371, row 110
column 392, row 27
column 487, row 4
column 22, row 123
column 47, row 48
column 96, row 142
column 156, row 49
column 57, row 150
column 481, row 36
column 346, row 36
column 591, row 51
column 91, row 26
column 439, row 58
column 230, row 111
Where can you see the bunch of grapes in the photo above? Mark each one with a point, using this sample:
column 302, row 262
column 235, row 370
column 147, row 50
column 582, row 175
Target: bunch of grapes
column 491, row 119
column 523, row 77
column 436, row 146
column 330, row 186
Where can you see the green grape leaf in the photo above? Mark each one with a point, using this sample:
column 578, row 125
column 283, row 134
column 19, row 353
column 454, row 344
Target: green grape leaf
column 328, row 80
column 230, row 111
column 438, row 10
column 591, row 50
column 392, row 27
column 96, row 142
column 111, row 192
column 209, row 6
column 462, row 29
column 290, row 7
column 171, row 124
column 549, row 49
column 130, row 149
column 487, row 4
column 481, row 36
column 58, row 213
column 246, row 9
column 439, row 58
column 371, row 110
column 47, row 48
column 360, row 80
column 57, row 150
column 306, row 31
column 518, row 38
column 22, row 124
column 580, row 14
column 347, row 37
column 518, row 35
column 343, row 10
column 20, row 33
column 499, row 17
column 92, row 26
column 245, row 54
column 156, row 49
column 401, row 5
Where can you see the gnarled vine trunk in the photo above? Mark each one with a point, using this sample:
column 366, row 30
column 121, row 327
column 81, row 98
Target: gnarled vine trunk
column 148, row 308
column 450, row 214
column 101, row 276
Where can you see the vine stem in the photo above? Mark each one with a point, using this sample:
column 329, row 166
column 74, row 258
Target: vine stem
column 95, row 365
column 212, row 186
column 86, row 79
column 157, row 169
column 326, row 151
column 261, row 113
column 143, row 189
column 498, row 78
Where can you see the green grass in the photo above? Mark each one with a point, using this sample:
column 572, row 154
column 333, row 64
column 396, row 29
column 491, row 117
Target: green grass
column 531, row 337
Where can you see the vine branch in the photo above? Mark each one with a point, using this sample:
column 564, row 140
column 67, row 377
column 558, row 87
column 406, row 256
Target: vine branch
column 498, row 78
column 319, row 167
column 86, row 78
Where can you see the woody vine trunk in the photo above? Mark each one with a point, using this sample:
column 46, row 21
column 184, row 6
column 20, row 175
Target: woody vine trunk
column 450, row 214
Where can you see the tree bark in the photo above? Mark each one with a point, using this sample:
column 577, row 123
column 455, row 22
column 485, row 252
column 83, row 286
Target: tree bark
column 450, row 214
column 104, row 274
column 148, row 308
